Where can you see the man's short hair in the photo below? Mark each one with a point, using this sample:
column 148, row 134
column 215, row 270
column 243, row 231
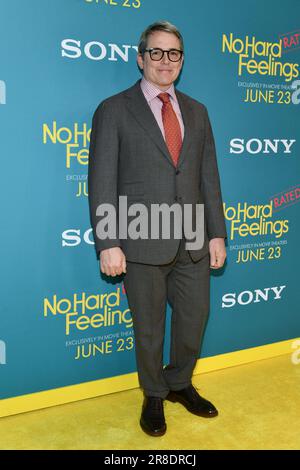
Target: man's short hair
column 158, row 26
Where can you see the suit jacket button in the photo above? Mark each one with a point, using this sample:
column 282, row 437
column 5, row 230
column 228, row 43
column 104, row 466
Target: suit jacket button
column 177, row 172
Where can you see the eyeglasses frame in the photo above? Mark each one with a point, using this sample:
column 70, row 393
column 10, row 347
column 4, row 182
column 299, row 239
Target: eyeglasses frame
column 163, row 51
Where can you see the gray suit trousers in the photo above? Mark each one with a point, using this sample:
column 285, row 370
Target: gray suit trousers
column 185, row 285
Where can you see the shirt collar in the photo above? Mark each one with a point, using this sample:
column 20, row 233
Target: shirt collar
column 151, row 91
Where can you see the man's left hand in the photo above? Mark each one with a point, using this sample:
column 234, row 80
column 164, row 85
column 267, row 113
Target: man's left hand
column 217, row 252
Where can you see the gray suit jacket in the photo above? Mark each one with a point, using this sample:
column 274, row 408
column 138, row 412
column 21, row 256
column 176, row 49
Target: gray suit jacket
column 129, row 156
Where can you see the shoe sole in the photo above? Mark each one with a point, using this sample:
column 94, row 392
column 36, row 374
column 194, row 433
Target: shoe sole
column 153, row 433
column 174, row 399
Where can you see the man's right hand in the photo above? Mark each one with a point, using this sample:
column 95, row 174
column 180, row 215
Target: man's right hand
column 112, row 261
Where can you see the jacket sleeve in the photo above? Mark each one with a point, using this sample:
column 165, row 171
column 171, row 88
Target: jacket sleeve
column 103, row 171
column 210, row 183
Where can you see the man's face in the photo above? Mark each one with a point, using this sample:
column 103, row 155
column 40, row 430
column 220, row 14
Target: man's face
column 161, row 73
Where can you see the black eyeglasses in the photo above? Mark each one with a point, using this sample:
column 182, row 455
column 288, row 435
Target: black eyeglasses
column 174, row 55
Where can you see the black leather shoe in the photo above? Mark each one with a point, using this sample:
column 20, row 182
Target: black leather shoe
column 190, row 398
column 153, row 419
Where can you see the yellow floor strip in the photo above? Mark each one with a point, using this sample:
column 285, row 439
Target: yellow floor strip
column 258, row 405
column 48, row 398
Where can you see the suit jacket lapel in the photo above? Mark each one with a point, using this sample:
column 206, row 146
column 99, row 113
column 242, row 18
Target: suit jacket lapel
column 140, row 109
column 187, row 117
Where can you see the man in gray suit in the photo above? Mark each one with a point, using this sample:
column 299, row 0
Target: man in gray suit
column 154, row 144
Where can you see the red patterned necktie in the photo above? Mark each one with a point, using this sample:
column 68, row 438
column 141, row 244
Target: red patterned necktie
column 171, row 126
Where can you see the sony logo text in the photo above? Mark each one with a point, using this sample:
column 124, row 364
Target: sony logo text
column 95, row 50
column 247, row 297
column 2, row 92
column 266, row 146
column 2, row 353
